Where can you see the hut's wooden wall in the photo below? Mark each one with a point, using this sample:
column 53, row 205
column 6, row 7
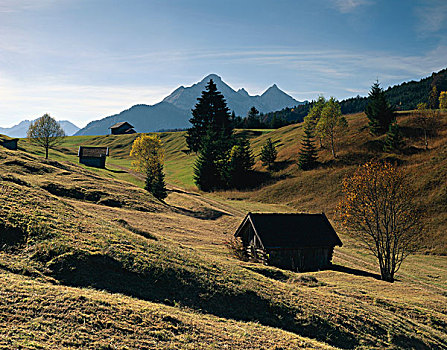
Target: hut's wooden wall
column 303, row 259
column 97, row 162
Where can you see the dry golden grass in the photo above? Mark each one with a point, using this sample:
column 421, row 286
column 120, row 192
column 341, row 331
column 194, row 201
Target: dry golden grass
column 174, row 254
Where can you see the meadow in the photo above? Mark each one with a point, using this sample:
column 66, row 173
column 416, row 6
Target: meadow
column 90, row 259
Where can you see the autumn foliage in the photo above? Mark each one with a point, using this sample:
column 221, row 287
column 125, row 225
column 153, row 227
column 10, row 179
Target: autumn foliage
column 378, row 210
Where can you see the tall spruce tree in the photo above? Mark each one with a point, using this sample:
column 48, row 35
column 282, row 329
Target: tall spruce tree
column 268, row 154
column 393, row 141
column 210, row 113
column 379, row 111
column 308, row 156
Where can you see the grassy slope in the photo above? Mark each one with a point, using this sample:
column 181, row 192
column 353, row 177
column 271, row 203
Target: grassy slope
column 91, row 230
column 315, row 191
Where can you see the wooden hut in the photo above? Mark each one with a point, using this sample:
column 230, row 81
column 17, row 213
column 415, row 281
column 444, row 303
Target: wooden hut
column 122, row 128
column 8, row 142
column 93, row 156
column 299, row 242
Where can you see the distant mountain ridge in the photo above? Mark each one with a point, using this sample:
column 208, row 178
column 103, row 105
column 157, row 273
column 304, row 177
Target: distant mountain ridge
column 175, row 110
column 238, row 101
column 21, row 129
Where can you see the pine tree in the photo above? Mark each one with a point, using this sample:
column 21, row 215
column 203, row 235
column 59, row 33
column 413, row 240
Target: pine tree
column 210, row 112
column 240, row 163
column 268, row 154
column 378, row 111
column 393, row 140
column 307, row 158
column 210, row 168
column 433, row 102
column 158, row 187
column 252, row 121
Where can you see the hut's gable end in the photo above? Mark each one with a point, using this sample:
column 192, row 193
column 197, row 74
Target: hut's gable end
column 122, row 128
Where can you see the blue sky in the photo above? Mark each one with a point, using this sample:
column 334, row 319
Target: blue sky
column 85, row 59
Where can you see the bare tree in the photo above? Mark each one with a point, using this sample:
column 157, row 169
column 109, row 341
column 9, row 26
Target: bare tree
column 378, row 210
column 46, row 132
column 427, row 120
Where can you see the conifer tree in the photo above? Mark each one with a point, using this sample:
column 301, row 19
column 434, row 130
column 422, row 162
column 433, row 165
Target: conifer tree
column 252, row 121
column 240, row 163
column 155, row 182
column 307, row 158
column 210, row 112
column 268, row 154
column 433, row 102
column 210, row 168
column 379, row 111
column 393, row 140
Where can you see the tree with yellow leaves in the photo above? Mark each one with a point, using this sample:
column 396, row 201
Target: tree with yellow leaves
column 443, row 100
column 148, row 154
column 331, row 123
column 378, row 210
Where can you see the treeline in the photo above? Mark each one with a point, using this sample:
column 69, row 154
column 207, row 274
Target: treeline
column 405, row 96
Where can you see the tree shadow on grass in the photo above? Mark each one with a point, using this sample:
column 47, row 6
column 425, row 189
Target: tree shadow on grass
column 355, row 272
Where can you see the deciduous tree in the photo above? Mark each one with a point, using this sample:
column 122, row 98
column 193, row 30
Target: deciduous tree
column 443, row 100
column 313, row 117
column 427, row 120
column 46, row 132
column 378, row 210
column 148, row 154
column 331, row 123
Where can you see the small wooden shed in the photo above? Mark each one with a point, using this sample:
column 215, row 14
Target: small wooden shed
column 93, row 156
column 122, row 128
column 8, row 142
column 299, row 242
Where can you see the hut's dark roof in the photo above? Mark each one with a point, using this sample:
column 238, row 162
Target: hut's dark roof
column 120, row 124
column 93, row 152
column 292, row 230
column 7, row 138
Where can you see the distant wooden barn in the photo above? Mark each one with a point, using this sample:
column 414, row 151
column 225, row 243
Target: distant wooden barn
column 8, row 142
column 122, row 128
column 93, row 156
column 299, row 242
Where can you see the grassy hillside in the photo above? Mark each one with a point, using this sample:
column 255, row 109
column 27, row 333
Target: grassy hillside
column 315, row 191
column 159, row 274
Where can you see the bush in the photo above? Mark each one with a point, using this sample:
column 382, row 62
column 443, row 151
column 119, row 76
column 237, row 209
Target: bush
column 236, row 247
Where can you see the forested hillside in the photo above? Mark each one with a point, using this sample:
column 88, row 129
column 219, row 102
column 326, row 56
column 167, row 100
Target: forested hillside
column 405, row 96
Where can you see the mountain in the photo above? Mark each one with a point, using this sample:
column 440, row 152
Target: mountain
column 144, row 118
column 175, row 110
column 20, row 129
column 238, row 101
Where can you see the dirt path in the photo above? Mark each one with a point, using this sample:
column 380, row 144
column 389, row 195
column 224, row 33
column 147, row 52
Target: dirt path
column 192, row 195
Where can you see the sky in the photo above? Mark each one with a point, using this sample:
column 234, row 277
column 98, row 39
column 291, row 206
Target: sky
column 82, row 60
